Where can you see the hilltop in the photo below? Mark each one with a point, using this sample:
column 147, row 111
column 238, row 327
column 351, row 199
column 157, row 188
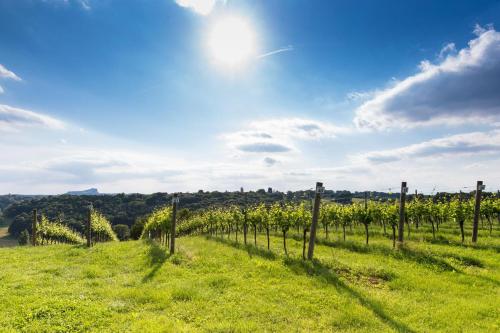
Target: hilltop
column 90, row 191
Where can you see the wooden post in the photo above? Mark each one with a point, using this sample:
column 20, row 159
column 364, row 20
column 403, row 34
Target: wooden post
column 245, row 218
column 317, row 201
column 402, row 200
column 175, row 200
column 477, row 208
column 89, row 225
column 33, row 228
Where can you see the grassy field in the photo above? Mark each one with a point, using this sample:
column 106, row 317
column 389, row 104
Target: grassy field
column 216, row 285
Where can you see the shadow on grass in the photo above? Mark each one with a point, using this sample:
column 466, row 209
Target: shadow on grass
column 250, row 249
column 405, row 253
column 324, row 272
column 157, row 255
column 321, row 271
column 440, row 240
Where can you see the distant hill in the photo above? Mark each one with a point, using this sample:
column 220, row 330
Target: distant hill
column 90, row 191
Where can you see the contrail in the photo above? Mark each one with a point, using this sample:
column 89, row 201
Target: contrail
column 283, row 49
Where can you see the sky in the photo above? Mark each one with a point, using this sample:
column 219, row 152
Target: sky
column 182, row 95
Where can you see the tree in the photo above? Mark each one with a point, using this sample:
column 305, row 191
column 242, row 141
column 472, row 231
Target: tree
column 137, row 227
column 24, row 237
column 122, row 231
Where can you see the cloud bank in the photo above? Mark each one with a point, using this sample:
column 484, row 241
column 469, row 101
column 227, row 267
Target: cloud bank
column 475, row 143
column 462, row 87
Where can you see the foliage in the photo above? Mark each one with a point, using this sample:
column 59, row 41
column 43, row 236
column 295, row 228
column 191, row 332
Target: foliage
column 137, row 228
column 158, row 224
column 24, row 238
column 49, row 233
column 122, row 231
column 101, row 228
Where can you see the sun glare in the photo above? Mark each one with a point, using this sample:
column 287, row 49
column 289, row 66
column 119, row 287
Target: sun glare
column 232, row 41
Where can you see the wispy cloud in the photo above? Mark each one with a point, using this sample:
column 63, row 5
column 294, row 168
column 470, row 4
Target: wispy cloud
column 281, row 50
column 84, row 4
column 7, row 74
column 12, row 119
column 449, row 48
column 202, row 7
column 460, row 88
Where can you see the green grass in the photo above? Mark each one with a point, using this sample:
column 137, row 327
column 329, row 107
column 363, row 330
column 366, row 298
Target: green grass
column 218, row 285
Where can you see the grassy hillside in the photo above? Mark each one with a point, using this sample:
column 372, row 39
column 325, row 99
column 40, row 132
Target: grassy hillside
column 217, row 285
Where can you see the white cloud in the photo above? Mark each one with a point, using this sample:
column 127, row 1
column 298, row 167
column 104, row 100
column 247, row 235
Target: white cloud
column 460, row 88
column 467, row 144
column 449, row 48
column 1, row 90
column 12, row 119
column 280, row 135
column 202, row 7
column 7, row 74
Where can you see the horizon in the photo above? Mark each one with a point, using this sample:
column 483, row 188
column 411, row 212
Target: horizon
column 182, row 95
column 467, row 190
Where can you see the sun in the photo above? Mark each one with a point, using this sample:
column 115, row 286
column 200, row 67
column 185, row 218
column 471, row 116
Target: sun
column 232, row 41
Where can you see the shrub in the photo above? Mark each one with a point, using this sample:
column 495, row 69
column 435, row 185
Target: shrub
column 122, row 231
column 24, row 237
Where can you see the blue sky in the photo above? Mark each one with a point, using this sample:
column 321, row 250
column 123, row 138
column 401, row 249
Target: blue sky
column 129, row 96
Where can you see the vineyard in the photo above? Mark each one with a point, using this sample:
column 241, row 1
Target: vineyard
column 246, row 268
column 47, row 232
column 423, row 218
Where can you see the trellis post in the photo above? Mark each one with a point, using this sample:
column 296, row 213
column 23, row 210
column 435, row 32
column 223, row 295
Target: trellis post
column 402, row 200
column 317, row 200
column 477, row 207
column 175, row 201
